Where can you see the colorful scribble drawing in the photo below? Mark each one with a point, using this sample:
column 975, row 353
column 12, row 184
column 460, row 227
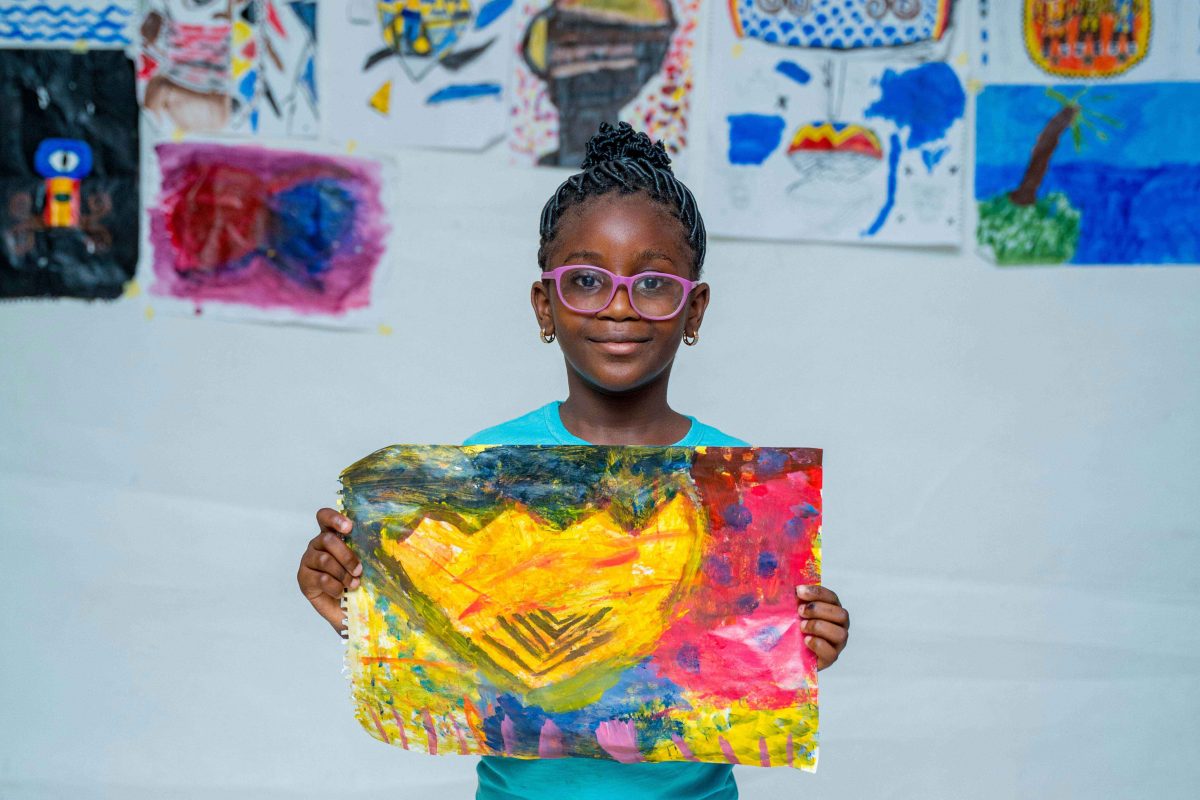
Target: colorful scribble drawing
column 1127, row 192
column 53, row 23
column 1087, row 38
column 273, row 68
column 634, row 604
column 270, row 229
column 184, row 68
column 68, row 173
column 584, row 62
column 882, row 163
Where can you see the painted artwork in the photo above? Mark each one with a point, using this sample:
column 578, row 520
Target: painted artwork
column 583, row 62
column 69, row 213
column 234, row 66
column 1089, row 174
column 634, row 604
column 1029, row 41
column 848, row 132
column 418, row 72
column 94, row 24
column 295, row 233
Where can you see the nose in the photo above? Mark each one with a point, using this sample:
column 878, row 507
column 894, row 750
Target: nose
column 620, row 307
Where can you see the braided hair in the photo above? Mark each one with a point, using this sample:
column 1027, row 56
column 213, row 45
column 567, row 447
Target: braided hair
column 620, row 159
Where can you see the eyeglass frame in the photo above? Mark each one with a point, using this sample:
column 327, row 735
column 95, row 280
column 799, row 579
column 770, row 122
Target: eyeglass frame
column 617, row 282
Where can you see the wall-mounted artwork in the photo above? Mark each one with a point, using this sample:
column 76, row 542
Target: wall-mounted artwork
column 1089, row 174
column 837, row 120
column 69, row 217
column 94, row 24
column 241, row 229
column 430, row 73
column 583, row 62
column 634, row 604
column 237, row 66
column 1029, row 41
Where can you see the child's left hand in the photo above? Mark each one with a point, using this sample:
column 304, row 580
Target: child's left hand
column 826, row 625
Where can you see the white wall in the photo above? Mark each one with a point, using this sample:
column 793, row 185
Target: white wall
column 1012, row 512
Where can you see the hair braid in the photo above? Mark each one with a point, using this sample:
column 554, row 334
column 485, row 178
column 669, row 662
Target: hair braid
column 620, row 159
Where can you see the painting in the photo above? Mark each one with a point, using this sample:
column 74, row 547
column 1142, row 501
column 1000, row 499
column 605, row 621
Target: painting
column 427, row 73
column 295, row 233
column 837, row 120
column 69, row 213
column 1088, row 174
column 1030, row 41
column 230, row 66
column 628, row 603
column 94, row 24
column 583, row 62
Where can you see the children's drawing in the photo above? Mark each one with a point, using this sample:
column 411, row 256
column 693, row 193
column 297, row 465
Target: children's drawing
column 235, row 66
column 68, row 173
column 846, row 132
column 634, row 604
column 1031, row 41
column 267, row 229
column 583, row 62
column 66, row 23
column 1122, row 188
column 417, row 72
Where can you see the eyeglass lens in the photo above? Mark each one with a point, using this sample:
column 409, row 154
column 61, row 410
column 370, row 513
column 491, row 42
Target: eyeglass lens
column 591, row 290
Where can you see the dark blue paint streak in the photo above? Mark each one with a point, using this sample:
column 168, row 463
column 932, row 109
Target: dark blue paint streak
column 491, row 12
column 927, row 100
column 794, row 71
column 463, row 91
column 890, row 202
column 753, row 137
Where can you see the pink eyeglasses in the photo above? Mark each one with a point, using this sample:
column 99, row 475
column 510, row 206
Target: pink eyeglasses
column 588, row 290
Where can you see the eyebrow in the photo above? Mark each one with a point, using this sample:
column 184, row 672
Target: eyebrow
column 592, row 255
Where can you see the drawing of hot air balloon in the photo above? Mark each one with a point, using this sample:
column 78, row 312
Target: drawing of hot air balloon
column 835, row 151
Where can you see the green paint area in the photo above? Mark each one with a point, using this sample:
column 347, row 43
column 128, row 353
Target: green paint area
column 1046, row 232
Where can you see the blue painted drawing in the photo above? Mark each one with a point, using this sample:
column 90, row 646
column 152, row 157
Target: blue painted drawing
column 1123, row 188
column 64, row 23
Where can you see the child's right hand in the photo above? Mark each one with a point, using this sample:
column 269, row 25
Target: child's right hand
column 327, row 567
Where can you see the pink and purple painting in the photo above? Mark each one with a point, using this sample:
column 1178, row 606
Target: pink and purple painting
column 269, row 229
column 625, row 603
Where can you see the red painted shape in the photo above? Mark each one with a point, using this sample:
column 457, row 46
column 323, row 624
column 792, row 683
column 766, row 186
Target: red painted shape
column 219, row 220
column 273, row 19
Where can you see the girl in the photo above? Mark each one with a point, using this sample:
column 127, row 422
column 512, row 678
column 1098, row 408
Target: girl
column 622, row 244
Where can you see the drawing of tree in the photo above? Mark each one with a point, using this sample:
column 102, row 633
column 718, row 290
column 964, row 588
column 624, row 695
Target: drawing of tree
column 1072, row 116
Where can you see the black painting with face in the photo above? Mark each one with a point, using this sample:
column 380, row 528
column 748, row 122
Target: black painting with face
column 68, row 173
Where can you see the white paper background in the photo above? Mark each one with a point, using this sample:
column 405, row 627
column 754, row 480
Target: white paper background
column 1011, row 510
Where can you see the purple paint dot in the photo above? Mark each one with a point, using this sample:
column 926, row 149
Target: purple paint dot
column 746, row 603
column 688, row 658
column 738, row 517
column 767, row 564
column 719, row 570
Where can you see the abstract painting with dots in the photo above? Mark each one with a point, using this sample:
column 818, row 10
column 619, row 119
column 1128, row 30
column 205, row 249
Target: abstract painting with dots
column 624, row 603
column 838, row 120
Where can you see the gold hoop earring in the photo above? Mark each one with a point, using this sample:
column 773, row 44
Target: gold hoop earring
column 548, row 338
column 691, row 339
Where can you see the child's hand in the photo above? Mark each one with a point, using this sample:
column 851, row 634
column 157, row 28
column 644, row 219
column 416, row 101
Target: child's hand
column 327, row 567
column 825, row 623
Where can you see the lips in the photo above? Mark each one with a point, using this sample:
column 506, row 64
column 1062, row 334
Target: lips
column 618, row 345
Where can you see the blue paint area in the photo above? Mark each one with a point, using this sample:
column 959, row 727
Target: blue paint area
column 770, row 462
column 247, row 84
column 309, row 77
column 927, row 100
column 491, row 12
column 688, row 659
column 753, row 137
column 794, row 71
column 889, row 203
column 932, row 156
column 767, row 638
column 719, row 570
column 737, row 516
column 63, row 158
column 463, row 91
column 746, row 604
column 306, row 12
column 64, row 23
column 310, row 223
column 768, row 563
column 1138, row 193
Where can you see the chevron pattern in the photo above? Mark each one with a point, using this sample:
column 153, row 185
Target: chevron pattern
column 539, row 641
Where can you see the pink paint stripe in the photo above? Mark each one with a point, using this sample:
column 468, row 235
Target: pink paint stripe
column 791, row 752
column 683, row 748
column 379, row 726
column 550, row 744
column 764, row 755
column 727, row 749
column 400, row 725
column 430, row 732
column 462, row 740
column 508, row 734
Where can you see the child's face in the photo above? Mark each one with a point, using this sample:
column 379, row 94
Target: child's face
column 617, row 350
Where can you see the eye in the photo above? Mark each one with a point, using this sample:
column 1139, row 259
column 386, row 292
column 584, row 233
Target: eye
column 586, row 279
column 64, row 160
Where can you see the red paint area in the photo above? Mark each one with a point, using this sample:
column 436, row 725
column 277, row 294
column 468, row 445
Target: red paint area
column 219, row 220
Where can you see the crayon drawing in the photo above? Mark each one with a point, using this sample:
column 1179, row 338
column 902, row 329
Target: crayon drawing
column 427, row 73
column 1088, row 175
column 267, row 229
column 95, row 24
column 839, row 132
column 69, row 213
column 583, row 62
column 634, row 604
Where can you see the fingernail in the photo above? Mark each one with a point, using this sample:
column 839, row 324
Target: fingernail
column 358, row 570
column 354, row 583
column 808, row 641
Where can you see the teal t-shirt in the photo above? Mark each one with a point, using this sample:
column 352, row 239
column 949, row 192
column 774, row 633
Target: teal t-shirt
column 587, row 778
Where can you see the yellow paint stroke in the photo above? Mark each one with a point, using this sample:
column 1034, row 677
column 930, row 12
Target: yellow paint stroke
column 384, row 329
column 381, row 100
column 132, row 289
